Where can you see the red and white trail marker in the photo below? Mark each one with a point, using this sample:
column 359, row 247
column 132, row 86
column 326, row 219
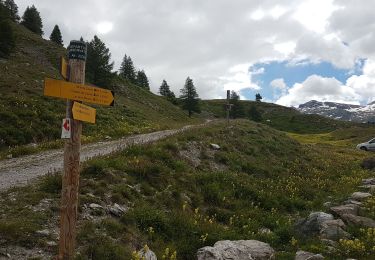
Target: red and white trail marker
column 66, row 132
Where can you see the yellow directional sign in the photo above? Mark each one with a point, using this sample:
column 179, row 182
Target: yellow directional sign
column 79, row 92
column 83, row 113
column 64, row 68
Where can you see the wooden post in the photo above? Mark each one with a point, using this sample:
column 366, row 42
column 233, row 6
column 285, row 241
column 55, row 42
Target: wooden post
column 228, row 105
column 70, row 180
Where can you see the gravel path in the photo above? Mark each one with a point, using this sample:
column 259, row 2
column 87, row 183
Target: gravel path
column 20, row 171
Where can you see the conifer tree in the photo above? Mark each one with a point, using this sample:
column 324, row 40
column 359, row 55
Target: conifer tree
column 56, row 35
column 164, row 88
column 7, row 39
column 98, row 65
column 142, row 80
column 32, row 21
column 258, row 97
column 237, row 110
column 13, row 10
column 127, row 70
column 189, row 97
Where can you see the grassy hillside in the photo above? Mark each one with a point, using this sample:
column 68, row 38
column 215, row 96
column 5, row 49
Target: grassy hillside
column 27, row 116
column 183, row 195
column 280, row 117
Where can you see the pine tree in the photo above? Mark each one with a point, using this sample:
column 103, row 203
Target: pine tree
column 127, row 70
column 56, row 35
column 237, row 110
column 258, row 97
column 98, row 65
column 7, row 39
column 164, row 88
column 189, row 97
column 13, row 10
column 32, row 21
column 142, row 80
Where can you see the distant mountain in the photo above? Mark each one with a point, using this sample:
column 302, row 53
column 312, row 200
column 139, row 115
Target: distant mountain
column 339, row 111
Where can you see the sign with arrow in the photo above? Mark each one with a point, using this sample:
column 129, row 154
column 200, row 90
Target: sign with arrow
column 66, row 132
column 83, row 113
column 79, row 92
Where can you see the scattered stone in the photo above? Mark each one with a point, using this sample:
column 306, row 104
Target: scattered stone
column 239, row 249
column 333, row 230
column 353, row 202
column 327, row 204
column 303, row 255
column 345, row 209
column 44, row 232
column 51, row 243
column 9, row 156
column 96, row 209
column 313, row 223
column 369, row 181
column 107, row 137
column 360, row 195
column 147, row 254
column 358, row 221
column 215, row 146
column 117, row 210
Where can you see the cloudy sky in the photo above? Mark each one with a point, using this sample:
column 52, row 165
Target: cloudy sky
column 290, row 51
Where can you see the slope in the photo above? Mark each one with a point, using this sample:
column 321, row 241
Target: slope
column 26, row 116
column 280, row 117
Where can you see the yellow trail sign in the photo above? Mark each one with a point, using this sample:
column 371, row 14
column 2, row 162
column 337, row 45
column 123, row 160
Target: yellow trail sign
column 79, row 92
column 64, row 68
column 83, row 113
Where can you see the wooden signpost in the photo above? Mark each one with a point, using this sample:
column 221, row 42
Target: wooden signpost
column 74, row 90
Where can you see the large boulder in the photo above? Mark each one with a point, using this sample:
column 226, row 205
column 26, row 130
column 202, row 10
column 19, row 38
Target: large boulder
column 333, row 230
column 345, row 209
column 239, row 249
column 359, row 196
column 303, row 255
column 354, row 220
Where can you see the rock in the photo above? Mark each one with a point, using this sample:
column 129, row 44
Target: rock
column 303, row 255
column 353, row 202
column 9, row 156
column 264, row 231
column 333, row 230
column 96, row 209
column 215, row 146
column 44, row 232
column 107, row 137
column 146, row 254
column 51, row 243
column 345, row 209
column 327, row 204
column 313, row 223
column 360, row 195
column 329, row 242
column 239, row 249
column 369, row 181
column 117, row 210
column 369, row 187
column 358, row 221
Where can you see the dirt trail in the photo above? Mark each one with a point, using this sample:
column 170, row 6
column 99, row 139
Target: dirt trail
column 20, row 171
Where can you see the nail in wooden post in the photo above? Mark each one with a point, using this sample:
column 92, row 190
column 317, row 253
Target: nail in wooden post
column 70, row 180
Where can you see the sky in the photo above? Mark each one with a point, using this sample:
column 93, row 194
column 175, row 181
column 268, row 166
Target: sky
column 289, row 51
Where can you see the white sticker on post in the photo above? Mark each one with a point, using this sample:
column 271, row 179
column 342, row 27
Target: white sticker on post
column 66, row 131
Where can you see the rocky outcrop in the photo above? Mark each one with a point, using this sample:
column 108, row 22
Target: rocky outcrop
column 354, row 220
column 359, row 196
column 303, row 255
column 239, row 249
column 345, row 209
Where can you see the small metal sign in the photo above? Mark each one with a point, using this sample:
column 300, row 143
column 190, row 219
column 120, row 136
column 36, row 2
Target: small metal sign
column 77, row 50
column 66, row 129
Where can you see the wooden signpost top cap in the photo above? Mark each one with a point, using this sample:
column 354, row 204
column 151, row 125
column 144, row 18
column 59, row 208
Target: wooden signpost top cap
column 77, row 50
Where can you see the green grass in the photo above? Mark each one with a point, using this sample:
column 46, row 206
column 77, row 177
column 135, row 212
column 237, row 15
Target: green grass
column 260, row 178
column 26, row 116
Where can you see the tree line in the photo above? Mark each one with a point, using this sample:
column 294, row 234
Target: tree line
column 99, row 68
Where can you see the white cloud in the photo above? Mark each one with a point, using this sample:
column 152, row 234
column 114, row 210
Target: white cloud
column 206, row 40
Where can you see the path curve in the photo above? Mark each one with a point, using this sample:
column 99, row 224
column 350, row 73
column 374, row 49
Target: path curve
column 20, row 171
